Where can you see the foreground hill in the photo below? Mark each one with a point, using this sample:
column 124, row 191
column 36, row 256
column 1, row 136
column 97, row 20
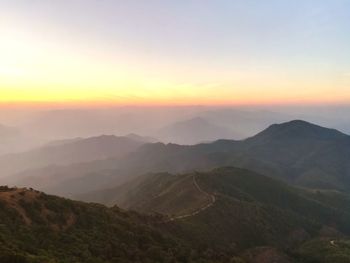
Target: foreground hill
column 254, row 215
column 226, row 215
column 35, row 227
column 38, row 228
column 174, row 195
column 183, row 194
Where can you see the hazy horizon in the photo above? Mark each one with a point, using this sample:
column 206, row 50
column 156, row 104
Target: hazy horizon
column 201, row 131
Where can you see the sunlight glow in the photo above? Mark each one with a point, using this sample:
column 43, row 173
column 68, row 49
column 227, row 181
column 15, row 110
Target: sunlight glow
column 37, row 66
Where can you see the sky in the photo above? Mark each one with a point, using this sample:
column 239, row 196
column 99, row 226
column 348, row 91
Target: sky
column 183, row 52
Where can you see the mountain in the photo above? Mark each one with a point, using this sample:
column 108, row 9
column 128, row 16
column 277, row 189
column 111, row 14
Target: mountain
column 153, row 193
column 131, row 136
column 36, row 228
column 149, row 192
column 297, row 130
column 195, row 130
column 298, row 152
column 225, row 215
column 301, row 153
column 80, row 122
column 68, row 152
column 243, row 210
column 244, row 122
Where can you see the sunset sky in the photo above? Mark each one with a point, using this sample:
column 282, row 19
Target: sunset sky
column 206, row 52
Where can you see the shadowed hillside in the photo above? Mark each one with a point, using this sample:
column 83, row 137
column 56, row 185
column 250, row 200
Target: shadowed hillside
column 66, row 152
column 250, row 218
column 174, row 194
column 298, row 152
column 249, row 211
column 37, row 228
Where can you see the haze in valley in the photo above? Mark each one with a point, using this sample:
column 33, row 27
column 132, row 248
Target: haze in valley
column 184, row 131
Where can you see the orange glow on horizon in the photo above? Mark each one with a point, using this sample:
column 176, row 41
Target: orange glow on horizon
column 38, row 73
column 164, row 103
column 42, row 65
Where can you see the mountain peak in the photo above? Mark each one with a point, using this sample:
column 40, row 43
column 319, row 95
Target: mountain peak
column 299, row 129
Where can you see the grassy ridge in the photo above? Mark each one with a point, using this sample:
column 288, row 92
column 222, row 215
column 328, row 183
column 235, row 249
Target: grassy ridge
column 253, row 217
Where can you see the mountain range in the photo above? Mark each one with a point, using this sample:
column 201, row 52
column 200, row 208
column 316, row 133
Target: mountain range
column 242, row 122
column 298, row 152
column 281, row 195
column 66, row 152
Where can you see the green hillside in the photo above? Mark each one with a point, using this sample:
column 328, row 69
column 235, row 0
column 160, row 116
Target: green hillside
column 162, row 193
column 298, row 152
column 250, row 210
column 35, row 227
column 226, row 215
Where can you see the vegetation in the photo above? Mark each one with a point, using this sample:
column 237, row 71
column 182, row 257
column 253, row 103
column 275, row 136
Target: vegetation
column 35, row 227
column 297, row 152
column 225, row 215
column 250, row 211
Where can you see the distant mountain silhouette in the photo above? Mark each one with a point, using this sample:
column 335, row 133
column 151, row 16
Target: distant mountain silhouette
column 298, row 152
column 245, row 123
column 68, row 152
column 297, row 129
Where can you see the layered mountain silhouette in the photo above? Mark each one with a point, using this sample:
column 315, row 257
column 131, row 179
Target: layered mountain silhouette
column 68, row 123
column 224, row 201
column 299, row 129
column 298, row 152
column 66, row 152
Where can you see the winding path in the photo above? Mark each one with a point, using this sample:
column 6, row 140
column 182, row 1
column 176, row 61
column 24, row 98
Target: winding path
column 211, row 197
